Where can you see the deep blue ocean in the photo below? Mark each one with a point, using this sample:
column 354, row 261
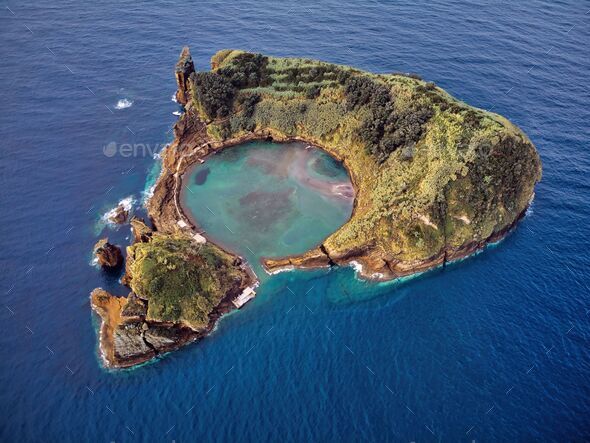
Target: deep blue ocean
column 495, row 348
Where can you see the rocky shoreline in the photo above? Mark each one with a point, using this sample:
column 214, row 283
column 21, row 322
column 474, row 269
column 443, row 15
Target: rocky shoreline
column 374, row 268
column 127, row 339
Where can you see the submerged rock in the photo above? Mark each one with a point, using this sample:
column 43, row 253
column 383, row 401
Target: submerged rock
column 107, row 254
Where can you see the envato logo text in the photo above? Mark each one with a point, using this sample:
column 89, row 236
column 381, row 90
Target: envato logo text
column 132, row 149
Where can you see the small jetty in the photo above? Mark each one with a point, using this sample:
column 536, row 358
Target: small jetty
column 246, row 295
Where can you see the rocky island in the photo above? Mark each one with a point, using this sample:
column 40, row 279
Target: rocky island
column 179, row 289
column 435, row 180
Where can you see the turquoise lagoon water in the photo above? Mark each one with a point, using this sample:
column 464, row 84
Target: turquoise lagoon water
column 265, row 199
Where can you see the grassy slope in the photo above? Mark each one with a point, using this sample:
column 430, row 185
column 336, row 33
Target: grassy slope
column 468, row 174
column 183, row 281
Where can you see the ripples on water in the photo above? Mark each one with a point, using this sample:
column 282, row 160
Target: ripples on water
column 492, row 349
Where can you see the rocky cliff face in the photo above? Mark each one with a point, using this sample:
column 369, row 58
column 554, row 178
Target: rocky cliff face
column 140, row 230
column 126, row 338
column 184, row 68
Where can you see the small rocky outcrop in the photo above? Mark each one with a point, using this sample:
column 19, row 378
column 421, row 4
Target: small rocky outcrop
column 119, row 215
column 184, row 68
column 314, row 258
column 140, row 230
column 108, row 255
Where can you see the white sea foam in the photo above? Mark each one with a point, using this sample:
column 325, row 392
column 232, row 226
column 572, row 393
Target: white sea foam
column 148, row 193
column 358, row 268
column 177, row 113
column 279, row 270
column 127, row 204
column 124, row 103
column 174, row 98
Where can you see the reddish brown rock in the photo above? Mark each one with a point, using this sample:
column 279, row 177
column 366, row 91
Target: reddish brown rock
column 119, row 215
column 140, row 230
column 184, row 68
column 108, row 255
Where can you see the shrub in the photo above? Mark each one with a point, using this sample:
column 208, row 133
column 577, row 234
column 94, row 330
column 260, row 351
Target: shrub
column 313, row 92
column 247, row 104
column 214, row 93
column 247, row 71
column 359, row 91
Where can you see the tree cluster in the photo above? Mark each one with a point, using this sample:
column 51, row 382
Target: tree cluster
column 247, row 71
column 384, row 129
column 214, row 93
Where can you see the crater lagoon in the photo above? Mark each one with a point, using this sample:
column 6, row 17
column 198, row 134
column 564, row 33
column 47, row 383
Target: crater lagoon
column 264, row 199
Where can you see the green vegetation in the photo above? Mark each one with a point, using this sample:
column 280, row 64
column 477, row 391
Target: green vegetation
column 214, row 93
column 183, row 281
column 430, row 171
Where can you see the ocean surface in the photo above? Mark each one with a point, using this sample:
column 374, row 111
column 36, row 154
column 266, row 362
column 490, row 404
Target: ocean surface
column 494, row 348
